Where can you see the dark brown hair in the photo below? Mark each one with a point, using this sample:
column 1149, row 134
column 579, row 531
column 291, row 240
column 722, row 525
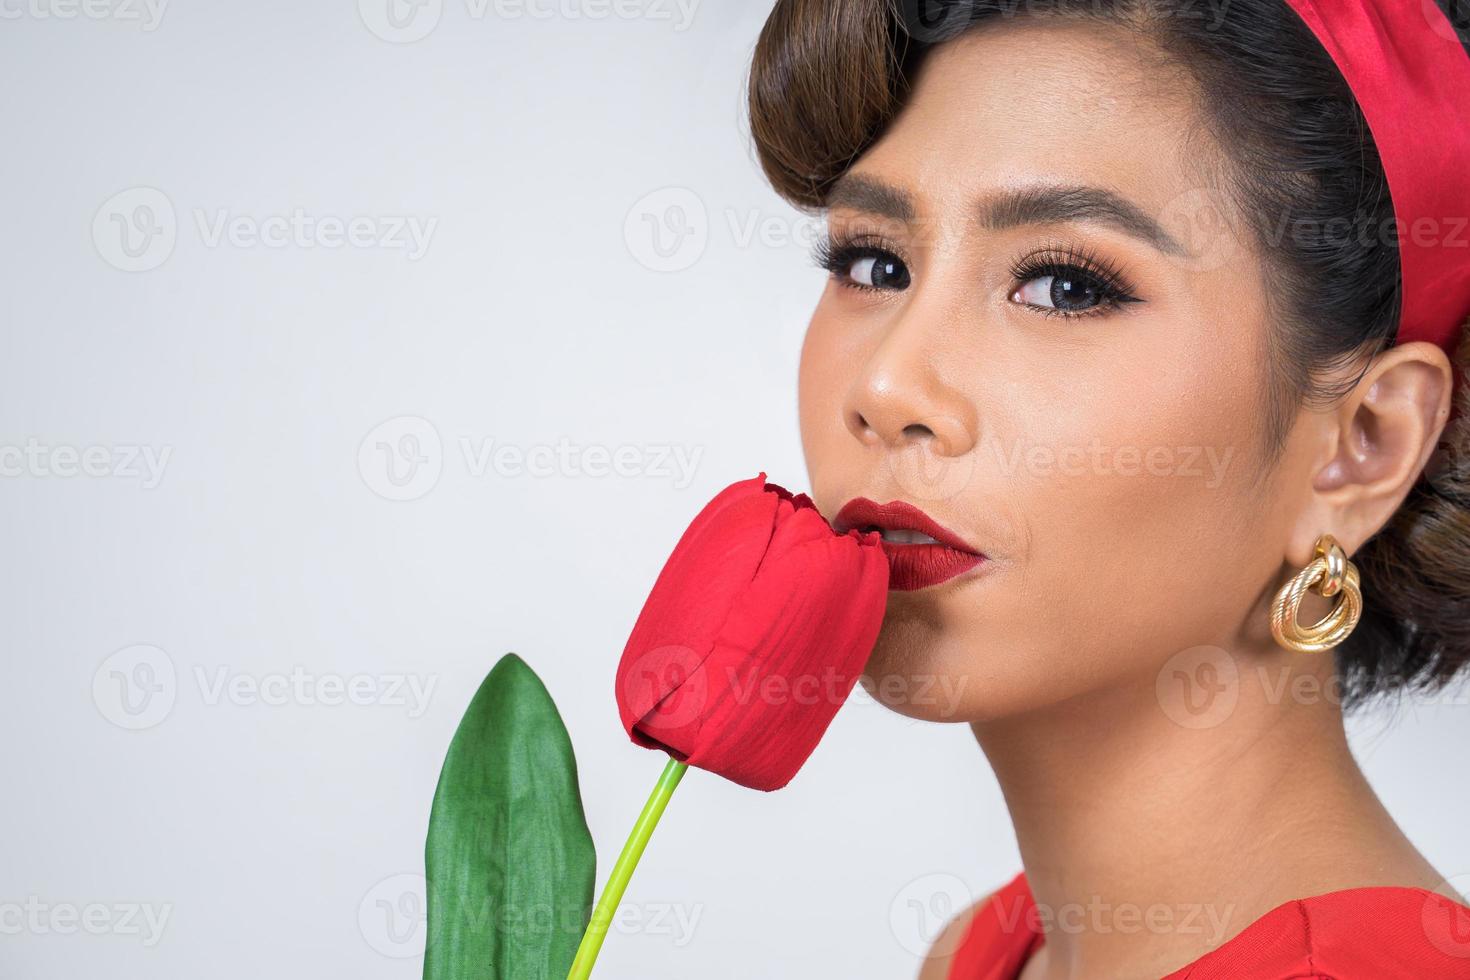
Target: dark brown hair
column 828, row 76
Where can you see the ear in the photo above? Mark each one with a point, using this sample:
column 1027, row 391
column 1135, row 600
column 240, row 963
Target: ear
column 1376, row 442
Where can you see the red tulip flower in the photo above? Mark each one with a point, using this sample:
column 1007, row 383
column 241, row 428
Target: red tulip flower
column 755, row 633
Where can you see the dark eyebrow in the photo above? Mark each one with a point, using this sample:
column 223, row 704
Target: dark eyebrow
column 1021, row 206
column 1038, row 205
column 863, row 193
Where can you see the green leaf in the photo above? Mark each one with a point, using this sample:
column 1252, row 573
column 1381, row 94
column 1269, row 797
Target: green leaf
column 509, row 860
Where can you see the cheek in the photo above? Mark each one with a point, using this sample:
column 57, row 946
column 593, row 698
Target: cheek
column 1120, row 493
column 1140, row 534
column 822, row 384
column 1150, row 542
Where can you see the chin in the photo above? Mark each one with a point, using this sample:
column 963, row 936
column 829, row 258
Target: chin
column 918, row 668
column 932, row 663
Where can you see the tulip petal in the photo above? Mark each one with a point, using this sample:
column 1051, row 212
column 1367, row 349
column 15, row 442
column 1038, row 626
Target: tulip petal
column 753, row 636
column 715, row 559
column 788, row 659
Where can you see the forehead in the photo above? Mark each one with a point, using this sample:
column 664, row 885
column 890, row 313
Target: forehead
column 1029, row 98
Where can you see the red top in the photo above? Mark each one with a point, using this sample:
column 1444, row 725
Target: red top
column 1380, row 933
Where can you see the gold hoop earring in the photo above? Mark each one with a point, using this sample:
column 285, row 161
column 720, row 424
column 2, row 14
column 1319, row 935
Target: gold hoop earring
column 1328, row 573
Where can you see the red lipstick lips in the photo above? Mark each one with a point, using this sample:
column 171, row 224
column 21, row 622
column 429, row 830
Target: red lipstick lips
column 920, row 551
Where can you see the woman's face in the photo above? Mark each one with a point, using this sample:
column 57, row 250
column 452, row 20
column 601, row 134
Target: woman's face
column 1041, row 333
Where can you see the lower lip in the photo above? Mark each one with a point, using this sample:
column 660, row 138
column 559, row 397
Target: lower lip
column 918, row 566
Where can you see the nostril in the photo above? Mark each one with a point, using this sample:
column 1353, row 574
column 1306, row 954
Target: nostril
column 857, row 424
column 918, row 431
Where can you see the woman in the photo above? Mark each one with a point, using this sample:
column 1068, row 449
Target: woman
column 1122, row 347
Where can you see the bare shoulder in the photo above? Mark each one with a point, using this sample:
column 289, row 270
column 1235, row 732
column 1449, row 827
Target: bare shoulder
column 941, row 953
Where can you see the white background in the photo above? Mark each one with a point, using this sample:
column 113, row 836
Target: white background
column 540, row 152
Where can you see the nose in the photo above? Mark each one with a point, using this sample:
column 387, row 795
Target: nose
column 901, row 399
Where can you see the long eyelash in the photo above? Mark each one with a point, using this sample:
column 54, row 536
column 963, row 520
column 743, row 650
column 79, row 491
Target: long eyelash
column 836, row 253
column 1057, row 260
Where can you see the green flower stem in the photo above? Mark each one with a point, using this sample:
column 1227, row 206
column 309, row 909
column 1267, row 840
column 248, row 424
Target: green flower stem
column 617, row 880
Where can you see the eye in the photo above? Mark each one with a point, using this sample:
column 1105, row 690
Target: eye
column 879, row 271
column 863, row 265
column 1073, row 289
column 1070, row 283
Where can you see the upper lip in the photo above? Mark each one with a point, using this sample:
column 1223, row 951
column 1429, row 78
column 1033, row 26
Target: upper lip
column 896, row 515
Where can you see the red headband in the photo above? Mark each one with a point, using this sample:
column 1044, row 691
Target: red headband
column 1407, row 67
